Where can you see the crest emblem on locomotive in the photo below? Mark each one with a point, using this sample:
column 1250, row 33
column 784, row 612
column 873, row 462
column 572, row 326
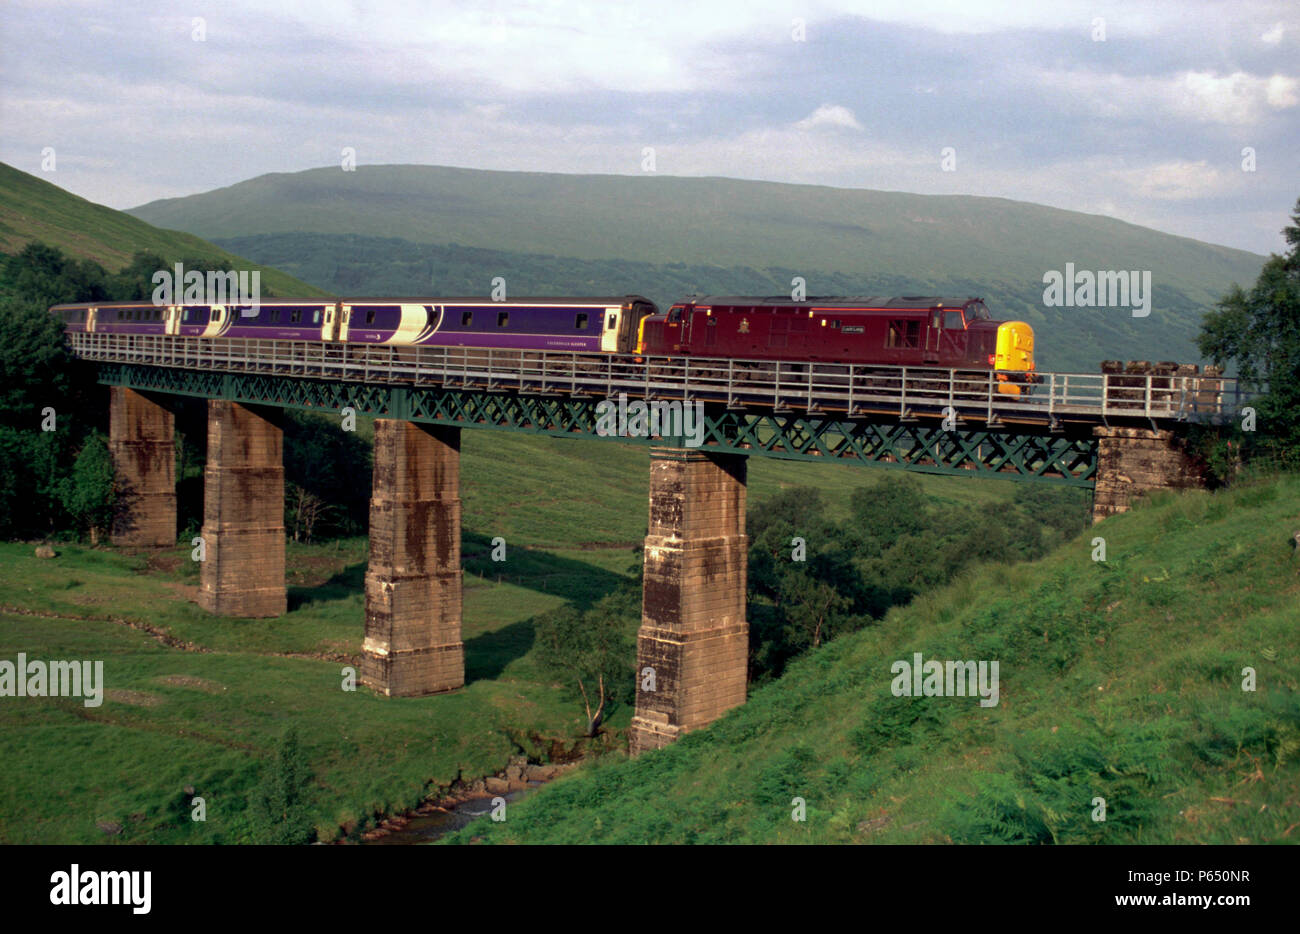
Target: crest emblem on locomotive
column 744, row 326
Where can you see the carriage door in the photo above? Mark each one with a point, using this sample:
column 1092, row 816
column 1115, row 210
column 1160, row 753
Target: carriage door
column 172, row 320
column 609, row 336
column 91, row 315
column 329, row 330
column 345, row 313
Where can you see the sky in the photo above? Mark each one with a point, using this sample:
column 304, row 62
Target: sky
column 1183, row 116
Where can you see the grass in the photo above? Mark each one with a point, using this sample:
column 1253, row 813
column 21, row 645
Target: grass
column 34, row 209
column 200, row 701
column 1120, row 680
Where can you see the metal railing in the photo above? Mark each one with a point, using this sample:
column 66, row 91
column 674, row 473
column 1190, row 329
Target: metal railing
column 852, row 390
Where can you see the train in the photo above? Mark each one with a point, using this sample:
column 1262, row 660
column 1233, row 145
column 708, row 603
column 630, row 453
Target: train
column 913, row 331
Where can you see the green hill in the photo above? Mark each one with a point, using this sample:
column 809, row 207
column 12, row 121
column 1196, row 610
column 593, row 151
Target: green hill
column 350, row 264
column 1120, row 680
column 754, row 232
column 33, row 209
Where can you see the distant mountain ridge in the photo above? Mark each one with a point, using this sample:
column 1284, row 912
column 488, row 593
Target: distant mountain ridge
column 993, row 247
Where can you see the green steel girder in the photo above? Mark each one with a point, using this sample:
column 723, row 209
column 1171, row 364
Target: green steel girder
column 924, row 447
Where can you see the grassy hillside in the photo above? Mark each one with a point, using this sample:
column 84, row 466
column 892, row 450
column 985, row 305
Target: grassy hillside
column 349, row 264
column 201, row 701
column 1119, row 679
column 759, row 234
column 34, row 209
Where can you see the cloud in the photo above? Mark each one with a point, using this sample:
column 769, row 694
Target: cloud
column 1237, row 99
column 1274, row 35
column 830, row 115
column 1175, row 180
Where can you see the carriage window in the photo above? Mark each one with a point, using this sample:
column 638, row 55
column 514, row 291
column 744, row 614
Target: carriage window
column 835, row 322
column 952, row 321
column 466, row 318
column 613, row 320
column 295, row 316
column 503, row 318
column 275, row 315
column 903, row 334
column 315, row 316
column 580, row 321
column 370, row 316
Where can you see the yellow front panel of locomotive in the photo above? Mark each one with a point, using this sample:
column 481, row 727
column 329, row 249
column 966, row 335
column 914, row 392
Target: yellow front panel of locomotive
column 1015, row 351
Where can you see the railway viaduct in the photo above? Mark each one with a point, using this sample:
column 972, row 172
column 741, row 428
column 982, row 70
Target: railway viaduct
column 1120, row 433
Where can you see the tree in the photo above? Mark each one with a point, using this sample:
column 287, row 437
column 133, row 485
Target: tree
column 1258, row 331
column 592, row 650
column 90, row 493
column 280, row 805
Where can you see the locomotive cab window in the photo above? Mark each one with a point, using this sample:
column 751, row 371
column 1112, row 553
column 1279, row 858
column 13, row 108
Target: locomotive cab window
column 503, row 319
column 952, row 321
column 466, row 318
column 580, row 321
column 675, row 315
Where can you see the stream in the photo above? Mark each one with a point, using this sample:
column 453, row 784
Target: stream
column 428, row 827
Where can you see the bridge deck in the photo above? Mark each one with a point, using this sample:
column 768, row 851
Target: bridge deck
column 777, row 386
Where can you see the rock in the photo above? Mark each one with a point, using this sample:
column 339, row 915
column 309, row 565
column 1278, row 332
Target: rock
column 496, row 786
column 539, row 773
column 44, row 551
column 514, row 774
column 189, row 790
column 110, row 828
column 874, row 824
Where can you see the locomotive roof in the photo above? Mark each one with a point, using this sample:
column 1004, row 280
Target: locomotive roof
column 874, row 301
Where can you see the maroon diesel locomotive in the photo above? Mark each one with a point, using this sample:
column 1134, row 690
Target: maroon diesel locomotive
column 952, row 333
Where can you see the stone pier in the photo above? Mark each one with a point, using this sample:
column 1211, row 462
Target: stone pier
column 694, row 636
column 243, row 512
column 1132, row 461
column 413, row 585
column 141, row 440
